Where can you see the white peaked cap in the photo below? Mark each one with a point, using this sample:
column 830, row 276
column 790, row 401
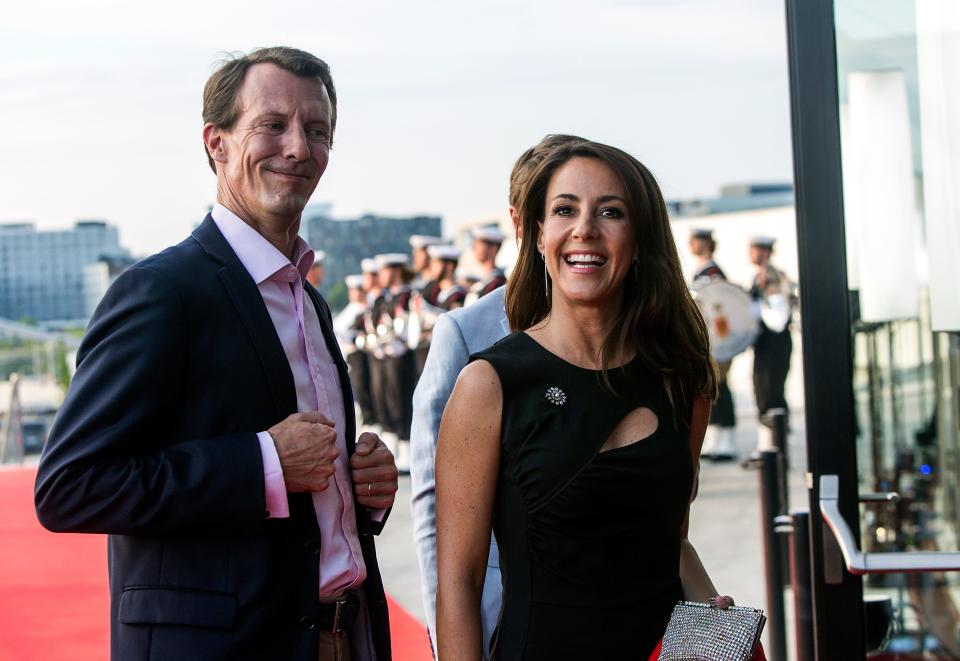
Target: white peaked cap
column 762, row 241
column 369, row 265
column 354, row 281
column 490, row 234
column 392, row 259
column 423, row 240
column 440, row 251
column 319, row 256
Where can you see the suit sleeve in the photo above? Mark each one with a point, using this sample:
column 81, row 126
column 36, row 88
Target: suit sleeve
column 448, row 355
column 111, row 464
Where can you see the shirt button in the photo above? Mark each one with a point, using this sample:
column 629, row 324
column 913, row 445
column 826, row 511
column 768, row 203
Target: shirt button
column 312, row 546
column 308, row 623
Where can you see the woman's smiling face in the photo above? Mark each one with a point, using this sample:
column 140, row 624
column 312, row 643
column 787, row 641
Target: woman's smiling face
column 587, row 237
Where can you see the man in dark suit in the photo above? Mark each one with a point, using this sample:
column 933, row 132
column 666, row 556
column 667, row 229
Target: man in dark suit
column 209, row 427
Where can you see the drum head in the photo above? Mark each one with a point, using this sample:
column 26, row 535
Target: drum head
column 728, row 312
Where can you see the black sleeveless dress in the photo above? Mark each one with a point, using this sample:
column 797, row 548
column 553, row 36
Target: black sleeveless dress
column 589, row 541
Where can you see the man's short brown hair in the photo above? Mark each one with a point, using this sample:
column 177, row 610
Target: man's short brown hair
column 530, row 159
column 223, row 87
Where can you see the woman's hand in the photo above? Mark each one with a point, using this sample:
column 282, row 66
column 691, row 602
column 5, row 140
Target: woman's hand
column 721, row 601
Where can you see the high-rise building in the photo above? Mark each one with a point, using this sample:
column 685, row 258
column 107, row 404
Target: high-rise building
column 346, row 242
column 42, row 272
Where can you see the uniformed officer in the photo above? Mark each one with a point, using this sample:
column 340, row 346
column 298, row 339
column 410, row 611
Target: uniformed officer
column 702, row 246
column 391, row 314
column 420, row 328
column 445, row 293
column 719, row 443
column 772, row 350
column 420, row 259
column 348, row 326
column 371, row 287
column 486, row 245
column 315, row 274
column 368, row 343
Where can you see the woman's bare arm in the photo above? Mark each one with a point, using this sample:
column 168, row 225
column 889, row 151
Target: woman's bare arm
column 697, row 585
column 468, row 458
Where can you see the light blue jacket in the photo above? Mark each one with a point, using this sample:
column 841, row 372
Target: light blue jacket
column 456, row 336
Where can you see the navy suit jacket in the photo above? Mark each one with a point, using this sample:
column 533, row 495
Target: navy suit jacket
column 156, row 445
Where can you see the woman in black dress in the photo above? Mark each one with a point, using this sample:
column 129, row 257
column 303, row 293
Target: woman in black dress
column 576, row 437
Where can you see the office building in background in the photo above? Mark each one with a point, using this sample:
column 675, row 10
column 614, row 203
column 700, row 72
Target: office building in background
column 42, row 272
column 348, row 241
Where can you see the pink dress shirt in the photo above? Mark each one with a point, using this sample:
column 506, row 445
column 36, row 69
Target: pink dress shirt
column 317, row 383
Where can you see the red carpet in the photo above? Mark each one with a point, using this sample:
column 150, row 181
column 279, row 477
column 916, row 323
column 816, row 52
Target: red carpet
column 54, row 602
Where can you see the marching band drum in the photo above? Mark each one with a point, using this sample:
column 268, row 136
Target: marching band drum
column 729, row 315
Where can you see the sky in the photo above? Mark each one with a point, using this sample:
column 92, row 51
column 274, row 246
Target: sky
column 100, row 100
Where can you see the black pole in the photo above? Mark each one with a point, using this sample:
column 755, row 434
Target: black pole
column 773, row 560
column 800, row 582
column 778, row 427
column 824, row 306
column 778, row 422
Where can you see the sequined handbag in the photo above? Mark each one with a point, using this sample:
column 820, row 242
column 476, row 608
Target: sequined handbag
column 699, row 632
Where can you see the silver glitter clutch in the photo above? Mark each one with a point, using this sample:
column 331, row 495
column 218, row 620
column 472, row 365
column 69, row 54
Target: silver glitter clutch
column 698, row 632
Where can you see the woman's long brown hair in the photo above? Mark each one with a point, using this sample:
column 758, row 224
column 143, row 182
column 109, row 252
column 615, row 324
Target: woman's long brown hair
column 658, row 317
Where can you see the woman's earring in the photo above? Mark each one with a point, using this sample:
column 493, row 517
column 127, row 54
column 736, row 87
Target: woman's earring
column 546, row 276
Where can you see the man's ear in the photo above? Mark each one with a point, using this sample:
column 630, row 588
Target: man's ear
column 214, row 142
column 515, row 219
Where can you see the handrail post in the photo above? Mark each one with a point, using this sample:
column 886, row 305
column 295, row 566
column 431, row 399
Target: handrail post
column 770, row 508
column 800, row 581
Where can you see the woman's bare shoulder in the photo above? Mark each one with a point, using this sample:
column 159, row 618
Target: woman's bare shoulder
column 478, row 381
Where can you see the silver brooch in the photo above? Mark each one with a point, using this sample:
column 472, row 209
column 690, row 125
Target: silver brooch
column 556, row 396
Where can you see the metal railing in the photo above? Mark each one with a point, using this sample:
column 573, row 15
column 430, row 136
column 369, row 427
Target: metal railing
column 858, row 562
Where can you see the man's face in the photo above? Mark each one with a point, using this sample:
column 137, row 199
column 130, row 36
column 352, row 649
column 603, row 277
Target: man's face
column 388, row 276
column 270, row 162
column 759, row 256
column 315, row 274
column 435, row 271
column 420, row 260
column 485, row 252
column 699, row 247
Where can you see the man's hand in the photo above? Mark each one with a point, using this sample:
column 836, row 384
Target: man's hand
column 307, row 446
column 374, row 473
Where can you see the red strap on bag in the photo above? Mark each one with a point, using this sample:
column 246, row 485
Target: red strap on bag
column 758, row 655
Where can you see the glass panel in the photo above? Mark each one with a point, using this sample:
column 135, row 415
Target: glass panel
column 895, row 102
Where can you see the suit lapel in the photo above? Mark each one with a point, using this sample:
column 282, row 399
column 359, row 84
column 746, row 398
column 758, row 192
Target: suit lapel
column 329, row 337
column 252, row 311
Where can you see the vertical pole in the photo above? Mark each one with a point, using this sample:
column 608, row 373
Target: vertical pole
column 800, row 581
column 773, row 560
column 778, row 423
column 824, row 306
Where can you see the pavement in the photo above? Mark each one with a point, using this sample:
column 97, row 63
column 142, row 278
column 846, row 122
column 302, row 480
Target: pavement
column 725, row 525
